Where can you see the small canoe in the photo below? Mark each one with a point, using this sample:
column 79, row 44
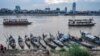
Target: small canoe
column 50, row 44
column 12, row 42
column 21, row 42
column 28, row 42
column 56, row 41
column 35, row 42
column 42, row 44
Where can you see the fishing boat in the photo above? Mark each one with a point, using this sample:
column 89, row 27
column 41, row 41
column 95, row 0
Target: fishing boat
column 58, row 43
column 35, row 42
column 16, row 22
column 42, row 43
column 83, row 43
column 11, row 42
column 90, row 37
column 48, row 42
column 81, row 22
column 21, row 42
column 55, row 41
column 27, row 42
column 87, row 45
column 59, row 35
column 64, row 38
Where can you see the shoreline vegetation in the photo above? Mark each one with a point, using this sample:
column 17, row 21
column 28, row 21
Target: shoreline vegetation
column 74, row 50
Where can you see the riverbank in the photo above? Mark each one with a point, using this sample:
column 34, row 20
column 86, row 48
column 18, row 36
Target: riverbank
column 39, row 53
column 25, row 53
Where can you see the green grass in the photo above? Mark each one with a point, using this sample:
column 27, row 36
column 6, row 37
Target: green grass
column 76, row 50
column 73, row 50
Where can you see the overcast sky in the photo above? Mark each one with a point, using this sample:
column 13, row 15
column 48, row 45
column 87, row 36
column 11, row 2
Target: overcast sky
column 41, row 4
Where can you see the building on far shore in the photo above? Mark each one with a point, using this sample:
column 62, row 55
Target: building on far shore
column 65, row 10
column 74, row 8
column 17, row 8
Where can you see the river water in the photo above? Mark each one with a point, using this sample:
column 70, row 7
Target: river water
column 46, row 24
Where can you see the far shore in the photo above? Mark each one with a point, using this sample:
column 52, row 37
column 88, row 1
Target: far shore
column 43, row 15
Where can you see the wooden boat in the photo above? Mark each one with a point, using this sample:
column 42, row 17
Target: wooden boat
column 81, row 22
column 55, row 41
column 16, row 22
column 58, row 43
column 42, row 43
column 90, row 37
column 87, row 45
column 21, row 42
column 27, row 42
column 83, row 43
column 35, row 42
column 59, row 35
column 48, row 42
column 64, row 38
column 11, row 42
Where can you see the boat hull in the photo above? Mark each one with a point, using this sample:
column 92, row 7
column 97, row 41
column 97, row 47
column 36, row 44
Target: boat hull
column 81, row 25
column 21, row 42
column 28, row 23
column 12, row 43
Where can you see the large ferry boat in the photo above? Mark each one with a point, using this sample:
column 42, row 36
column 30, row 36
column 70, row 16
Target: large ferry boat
column 81, row 22
column 16, row 22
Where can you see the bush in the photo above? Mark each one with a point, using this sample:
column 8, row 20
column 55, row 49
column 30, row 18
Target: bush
column 76, row 50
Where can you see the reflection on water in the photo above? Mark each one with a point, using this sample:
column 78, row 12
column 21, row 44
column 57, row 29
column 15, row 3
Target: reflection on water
column 46, row 24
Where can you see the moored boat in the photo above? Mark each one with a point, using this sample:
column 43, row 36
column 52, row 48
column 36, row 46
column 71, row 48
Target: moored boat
column 90, row 37
column 35, row 42
column 27, row 42
column 48, row 42
column 81, row 42
column 11, row 42
column 56, row 41
column 21, row 42
column 42, row 43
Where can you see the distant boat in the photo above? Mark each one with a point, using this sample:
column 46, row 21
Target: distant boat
column 21, row 42
column 11, row 42
column 16, row 22
column 90, row 37
column 81, row 22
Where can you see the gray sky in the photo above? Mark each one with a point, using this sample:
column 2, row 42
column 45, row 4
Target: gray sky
column 41, row 4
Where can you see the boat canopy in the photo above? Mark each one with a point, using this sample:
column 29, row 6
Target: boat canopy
column 90, row 36
column 64, row 37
